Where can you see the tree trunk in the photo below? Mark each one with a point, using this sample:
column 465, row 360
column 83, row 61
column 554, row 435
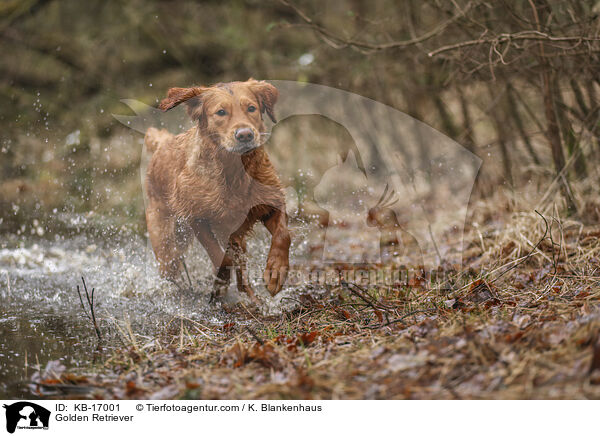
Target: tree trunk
column 568, row 134
column 552, row 126
column 467, row 122
column 500, row 126
column 513, row 110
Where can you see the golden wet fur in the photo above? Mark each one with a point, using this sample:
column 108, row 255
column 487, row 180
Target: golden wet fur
column 214, row 183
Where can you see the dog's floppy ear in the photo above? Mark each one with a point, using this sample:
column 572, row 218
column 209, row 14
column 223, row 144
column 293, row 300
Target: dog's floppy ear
column 267, row 96
column 176, row 96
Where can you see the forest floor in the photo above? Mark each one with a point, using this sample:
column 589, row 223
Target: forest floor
column 520, row 321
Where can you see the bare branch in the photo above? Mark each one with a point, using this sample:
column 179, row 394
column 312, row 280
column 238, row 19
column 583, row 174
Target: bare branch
column 338, row 41
column 526, row 35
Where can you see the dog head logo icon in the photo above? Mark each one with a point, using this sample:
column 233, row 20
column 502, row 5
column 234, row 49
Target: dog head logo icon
column 24, row 414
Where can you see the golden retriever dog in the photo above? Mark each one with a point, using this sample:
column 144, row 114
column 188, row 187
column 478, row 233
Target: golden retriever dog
column 215, row 181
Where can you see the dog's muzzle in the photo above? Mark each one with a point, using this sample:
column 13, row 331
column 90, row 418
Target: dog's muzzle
column 244, row 135
column 244, row 140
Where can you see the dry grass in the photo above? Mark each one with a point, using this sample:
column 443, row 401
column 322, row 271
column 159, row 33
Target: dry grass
column 521, row 320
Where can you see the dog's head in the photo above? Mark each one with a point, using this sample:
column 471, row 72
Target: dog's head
column 228, row 114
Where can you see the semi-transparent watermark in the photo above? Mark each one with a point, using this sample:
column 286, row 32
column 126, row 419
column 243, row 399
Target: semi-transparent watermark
column 375, row 197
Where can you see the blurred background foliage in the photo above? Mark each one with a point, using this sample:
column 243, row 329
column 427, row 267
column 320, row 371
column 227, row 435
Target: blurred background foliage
column 516, row 82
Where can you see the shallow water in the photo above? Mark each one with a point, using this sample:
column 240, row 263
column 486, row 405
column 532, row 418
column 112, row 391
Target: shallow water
column 41, row 318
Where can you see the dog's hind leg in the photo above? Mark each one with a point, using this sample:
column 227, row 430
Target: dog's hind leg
column 220, row 260
column 237, row 246
column 161, row 229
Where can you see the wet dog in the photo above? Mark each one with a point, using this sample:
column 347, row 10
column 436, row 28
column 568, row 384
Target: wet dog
column 215, row 181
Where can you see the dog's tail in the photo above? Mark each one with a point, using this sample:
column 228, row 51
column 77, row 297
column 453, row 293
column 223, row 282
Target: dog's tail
column 155, row 138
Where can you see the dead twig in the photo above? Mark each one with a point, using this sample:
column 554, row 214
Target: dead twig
column 516, row 262
column 337, row 41
column 535, row 247
column 187, row 274
column 90, row 300
column 363, row 295
column 254, row 335
column 402, row 318
column 526, row 35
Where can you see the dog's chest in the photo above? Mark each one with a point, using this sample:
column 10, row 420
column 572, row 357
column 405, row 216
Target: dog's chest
column 235, row 199
column 224, row 198
column 231, row 209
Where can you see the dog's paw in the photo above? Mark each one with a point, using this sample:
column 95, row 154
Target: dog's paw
column 220, row 287
column 275, row 273
column 247, row 289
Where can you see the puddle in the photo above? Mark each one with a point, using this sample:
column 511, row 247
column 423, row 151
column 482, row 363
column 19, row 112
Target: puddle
column 41, row 318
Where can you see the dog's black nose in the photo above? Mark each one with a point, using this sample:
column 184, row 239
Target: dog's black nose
column 244, row 134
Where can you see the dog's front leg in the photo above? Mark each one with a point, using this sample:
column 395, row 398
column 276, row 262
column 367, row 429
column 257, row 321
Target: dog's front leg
column 278, row 259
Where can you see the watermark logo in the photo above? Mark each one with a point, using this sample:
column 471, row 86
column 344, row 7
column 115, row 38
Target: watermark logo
column 369, row 186
column 26, row 415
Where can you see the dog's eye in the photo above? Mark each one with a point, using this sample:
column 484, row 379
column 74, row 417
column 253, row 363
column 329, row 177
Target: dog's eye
column 251, row 108
column 221, row 112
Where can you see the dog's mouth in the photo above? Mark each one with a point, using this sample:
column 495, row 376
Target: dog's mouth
column 232, row 145
column 244, row 147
